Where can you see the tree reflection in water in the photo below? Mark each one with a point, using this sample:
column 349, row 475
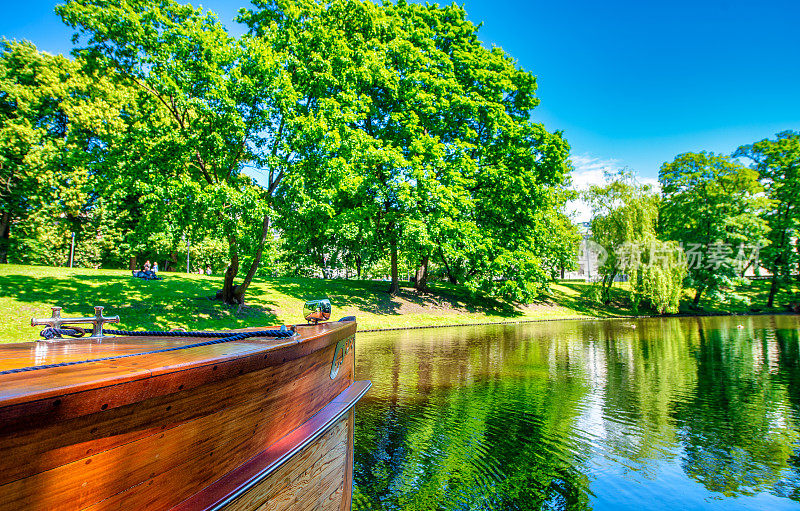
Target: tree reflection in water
column 690, row 412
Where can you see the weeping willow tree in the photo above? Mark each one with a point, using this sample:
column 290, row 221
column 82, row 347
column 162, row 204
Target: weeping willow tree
column 657, row 278
column 625, row 217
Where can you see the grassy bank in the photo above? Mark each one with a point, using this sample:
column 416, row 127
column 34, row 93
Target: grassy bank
column 182, row 300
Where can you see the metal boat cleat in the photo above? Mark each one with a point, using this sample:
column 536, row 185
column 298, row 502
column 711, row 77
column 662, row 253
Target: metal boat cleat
column 57, row 322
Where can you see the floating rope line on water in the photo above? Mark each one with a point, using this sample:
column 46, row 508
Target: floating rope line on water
column 221, row 337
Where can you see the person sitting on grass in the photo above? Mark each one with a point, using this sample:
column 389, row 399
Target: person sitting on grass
column 147, row 273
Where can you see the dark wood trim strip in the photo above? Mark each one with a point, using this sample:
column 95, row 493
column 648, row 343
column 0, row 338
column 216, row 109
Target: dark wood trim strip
column 228, row 488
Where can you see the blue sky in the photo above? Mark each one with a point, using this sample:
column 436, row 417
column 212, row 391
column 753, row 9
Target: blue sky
column 631, row 83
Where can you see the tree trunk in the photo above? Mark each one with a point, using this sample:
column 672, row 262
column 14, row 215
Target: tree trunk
column 228, row 292
column 5, row 236
column 240, row 290
column 607, row 288
column 358, row 267
column 394, row 287
column 797, row 249
column 421, row 281
column 697, row 295
column 450, row 275
column 132, row 263
column 773, row 288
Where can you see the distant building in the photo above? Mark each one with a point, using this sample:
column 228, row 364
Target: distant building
column 588, row 258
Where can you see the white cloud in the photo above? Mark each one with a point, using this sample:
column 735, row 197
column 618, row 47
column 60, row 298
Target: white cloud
column 652, row 182
column 590, row 170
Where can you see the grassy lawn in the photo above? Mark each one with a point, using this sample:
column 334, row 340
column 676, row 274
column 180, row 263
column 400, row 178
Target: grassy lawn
column 757, row 292
column 182, row 300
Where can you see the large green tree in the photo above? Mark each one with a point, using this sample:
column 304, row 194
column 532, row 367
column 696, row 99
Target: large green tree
column 33, row 87
column 440, row 158
column 625, row 216
column 213, row 102
column 56, row 122
column 488, row 178
column 711, row 205
column 778, row 165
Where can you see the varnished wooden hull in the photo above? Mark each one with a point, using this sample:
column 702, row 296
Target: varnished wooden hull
column 254, row 424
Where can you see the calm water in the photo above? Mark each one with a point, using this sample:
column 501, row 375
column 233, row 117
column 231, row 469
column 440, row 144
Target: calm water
column 698, row 413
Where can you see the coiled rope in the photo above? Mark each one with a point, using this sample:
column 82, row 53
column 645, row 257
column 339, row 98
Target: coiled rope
column 221, row 337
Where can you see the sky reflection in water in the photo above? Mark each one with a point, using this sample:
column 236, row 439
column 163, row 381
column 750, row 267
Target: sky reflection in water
column 690, row 413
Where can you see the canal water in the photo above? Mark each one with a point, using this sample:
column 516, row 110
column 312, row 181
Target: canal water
column 680, row 413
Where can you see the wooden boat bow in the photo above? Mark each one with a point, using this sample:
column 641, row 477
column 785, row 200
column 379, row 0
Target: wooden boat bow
column 196, row 426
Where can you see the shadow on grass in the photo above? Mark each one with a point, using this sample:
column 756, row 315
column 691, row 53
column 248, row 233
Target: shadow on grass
column 141, row 304
column 371, row 296
column 575, row 300
column 753, row 299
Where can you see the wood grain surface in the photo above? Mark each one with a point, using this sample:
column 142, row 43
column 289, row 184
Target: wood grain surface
column 313, row 479
column 149, row 431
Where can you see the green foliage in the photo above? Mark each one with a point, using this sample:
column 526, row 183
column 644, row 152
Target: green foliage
column 438, row 157
column 563, row 242
column 624, row 224
column 390, row 130
column 778, row 165
column 204, row 106
column 658, row 277
column 624, row 212
column 724, row 228
column 54, row 122
column 594, row 293
column 388, row 138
